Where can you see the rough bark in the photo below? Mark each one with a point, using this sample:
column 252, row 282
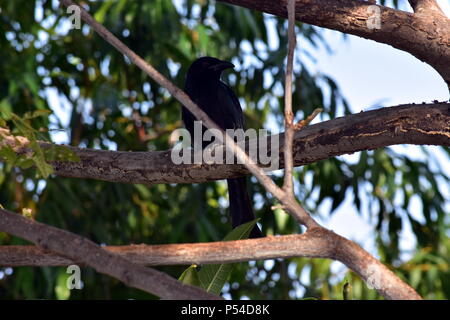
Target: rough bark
column 423, row 124
column 315, row 243
column 426, row 6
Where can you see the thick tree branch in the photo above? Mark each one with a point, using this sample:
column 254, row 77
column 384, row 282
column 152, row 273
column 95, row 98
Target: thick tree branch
column 425, row 124
column 288, row 114
column 315, row 243
column 425, row 36
column 84, row 251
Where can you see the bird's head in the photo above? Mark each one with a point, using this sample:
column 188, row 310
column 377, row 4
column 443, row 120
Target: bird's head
column 207, row 68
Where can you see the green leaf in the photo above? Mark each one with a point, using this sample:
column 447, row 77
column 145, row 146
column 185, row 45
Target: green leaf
column 213, row 277
column 44, row 169
column 60, row 153
column 415, row 277
column 61, row 290
column 281, row 218
column 35, row 114
column 24, row 128
column 241, row 232
column 100, row 13
column 190, row 276
column 5, row 110
column 347, row 291
column 25, row 163
column 8, row 154
column 31, row 81
column 203, row 38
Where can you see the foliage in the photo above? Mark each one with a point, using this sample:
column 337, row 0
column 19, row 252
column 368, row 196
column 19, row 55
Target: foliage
column 35, row 155
column 213, row 277
column 98, row 99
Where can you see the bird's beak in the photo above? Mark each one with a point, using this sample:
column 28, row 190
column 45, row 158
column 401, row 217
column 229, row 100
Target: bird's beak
column 222, row 65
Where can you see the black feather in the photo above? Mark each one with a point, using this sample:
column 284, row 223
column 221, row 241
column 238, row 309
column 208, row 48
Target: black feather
column 218, row 101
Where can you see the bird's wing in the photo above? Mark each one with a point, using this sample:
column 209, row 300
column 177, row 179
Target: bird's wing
column 231, row 106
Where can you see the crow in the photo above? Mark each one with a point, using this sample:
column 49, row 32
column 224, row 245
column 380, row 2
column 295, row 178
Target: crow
column 218, row 101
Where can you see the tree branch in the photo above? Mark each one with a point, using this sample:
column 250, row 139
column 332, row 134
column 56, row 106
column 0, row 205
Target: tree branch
column 315, row 243
column 424, row 124
column 84, row 251
column 288, row 114
column 427, row 37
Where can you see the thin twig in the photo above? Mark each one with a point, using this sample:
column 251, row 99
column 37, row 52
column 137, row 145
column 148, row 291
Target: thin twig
column 288, row 114
column 305, row 122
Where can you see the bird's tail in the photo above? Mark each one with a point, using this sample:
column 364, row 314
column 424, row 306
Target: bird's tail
column 241, row 209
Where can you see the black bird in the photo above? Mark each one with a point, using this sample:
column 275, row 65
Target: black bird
column 218, row 101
